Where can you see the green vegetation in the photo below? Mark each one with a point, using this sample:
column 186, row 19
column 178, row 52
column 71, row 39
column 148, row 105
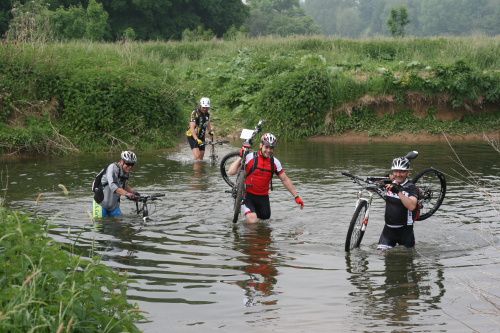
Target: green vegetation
column 354, row 18
column 81, row 95
column 46, row 289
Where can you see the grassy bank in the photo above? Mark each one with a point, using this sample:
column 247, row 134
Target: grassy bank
column 46, row 289
column 88, row 96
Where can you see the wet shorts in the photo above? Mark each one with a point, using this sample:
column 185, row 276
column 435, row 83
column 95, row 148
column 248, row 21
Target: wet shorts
column 193, row 144
column 390, row 237
column 258, row 204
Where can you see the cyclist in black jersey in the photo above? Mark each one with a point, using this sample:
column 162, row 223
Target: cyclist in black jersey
column 400, row 208
column 199, row 125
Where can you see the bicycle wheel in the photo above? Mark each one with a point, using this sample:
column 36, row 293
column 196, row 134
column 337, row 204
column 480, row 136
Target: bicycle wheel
column 432, row 189
column 356, row 232
column 238, row 191
column 225, row 163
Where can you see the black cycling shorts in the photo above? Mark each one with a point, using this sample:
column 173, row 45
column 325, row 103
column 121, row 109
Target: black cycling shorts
column 258, row 204
column 390, row 237
column 193, row 144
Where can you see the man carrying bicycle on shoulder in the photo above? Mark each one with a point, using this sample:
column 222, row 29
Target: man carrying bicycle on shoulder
column 260, row 168
column 400, row 208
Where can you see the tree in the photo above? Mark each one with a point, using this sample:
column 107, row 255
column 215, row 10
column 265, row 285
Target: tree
column 397, row 21
column 279, row 17
column 97, row 21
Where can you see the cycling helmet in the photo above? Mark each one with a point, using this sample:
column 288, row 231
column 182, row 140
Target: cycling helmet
column 400, row 163
column 205, row 102
column 269, row 139
column 129, row 157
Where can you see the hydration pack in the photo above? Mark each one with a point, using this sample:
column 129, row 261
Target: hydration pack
column 97, row 186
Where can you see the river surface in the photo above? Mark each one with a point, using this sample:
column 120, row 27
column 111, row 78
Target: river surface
column 194, row 271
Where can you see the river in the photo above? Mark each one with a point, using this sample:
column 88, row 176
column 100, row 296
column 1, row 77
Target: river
column 193, row 270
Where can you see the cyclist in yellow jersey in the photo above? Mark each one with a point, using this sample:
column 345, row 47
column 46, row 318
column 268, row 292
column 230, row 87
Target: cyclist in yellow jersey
column 199, row 125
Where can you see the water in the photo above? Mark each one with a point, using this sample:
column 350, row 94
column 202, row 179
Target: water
column 194, row 270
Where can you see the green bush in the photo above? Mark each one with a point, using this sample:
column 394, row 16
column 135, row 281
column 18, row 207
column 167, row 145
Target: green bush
column 295, row 103
column 46, row 289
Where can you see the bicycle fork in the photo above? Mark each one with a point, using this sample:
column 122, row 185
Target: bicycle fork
column 368, row 205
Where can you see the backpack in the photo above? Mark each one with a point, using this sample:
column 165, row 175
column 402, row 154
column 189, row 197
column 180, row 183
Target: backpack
column 254, row 166
column 97, row 186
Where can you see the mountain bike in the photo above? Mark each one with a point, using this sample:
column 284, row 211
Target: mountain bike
column 431, row 188
column 213, row 153
column 141, row 204
column 237, row 181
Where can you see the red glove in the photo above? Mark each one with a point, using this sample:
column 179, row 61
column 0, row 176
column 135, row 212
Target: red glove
column 244, row 148
column 299, row 201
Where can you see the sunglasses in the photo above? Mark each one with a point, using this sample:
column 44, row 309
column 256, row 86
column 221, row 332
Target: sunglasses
column 129, row 164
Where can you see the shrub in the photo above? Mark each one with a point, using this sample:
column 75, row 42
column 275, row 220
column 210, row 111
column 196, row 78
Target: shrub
column 295, row 103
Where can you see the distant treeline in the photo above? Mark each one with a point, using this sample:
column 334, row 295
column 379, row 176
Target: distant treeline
column 354, row 18
column 111, row 20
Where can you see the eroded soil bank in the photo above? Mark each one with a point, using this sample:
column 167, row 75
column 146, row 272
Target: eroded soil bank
column 363, row 137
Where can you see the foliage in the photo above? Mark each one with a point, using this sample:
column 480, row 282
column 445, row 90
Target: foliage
column 30, row 22
column 282, row 18
column 366, row 120
column 353, row 18
column 139, row 94
column 98, row 104
column 295, row 103
column 97, row 21
column 397, row 21
column 197, row 34
column 46, row 289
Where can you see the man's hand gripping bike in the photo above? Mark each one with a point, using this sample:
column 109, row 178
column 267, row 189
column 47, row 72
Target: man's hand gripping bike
column 237, row 182
column 141, row 204
column 431, row 187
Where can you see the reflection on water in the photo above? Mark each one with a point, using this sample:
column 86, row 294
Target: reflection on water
column 255, row 243
column 193, row 270
column 393, row 295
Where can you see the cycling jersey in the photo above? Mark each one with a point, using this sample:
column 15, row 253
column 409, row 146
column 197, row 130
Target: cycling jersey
column 396, row 214
column 201, row 120
column 258, row 180
column 113, row 179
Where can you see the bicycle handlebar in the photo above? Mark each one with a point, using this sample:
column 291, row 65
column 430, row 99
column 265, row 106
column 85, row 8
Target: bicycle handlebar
column 373, row 184
column 152, row 197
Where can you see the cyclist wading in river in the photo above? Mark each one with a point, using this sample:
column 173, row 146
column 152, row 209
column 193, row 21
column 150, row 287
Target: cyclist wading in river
column 114, row 184
column 400, row 208
column 260, row 168
column 199, row 125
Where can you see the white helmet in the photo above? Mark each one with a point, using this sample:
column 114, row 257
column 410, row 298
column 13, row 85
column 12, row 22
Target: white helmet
column 269, row 139
column 205, row 102
column 400, row 163
column 129, row 157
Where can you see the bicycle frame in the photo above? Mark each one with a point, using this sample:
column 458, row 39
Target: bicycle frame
column 144, row 200
column 213, row 154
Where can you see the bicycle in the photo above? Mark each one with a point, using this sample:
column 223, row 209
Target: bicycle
column 144, row 199
column 213, row 153
column 237, row 182
column 431, row 187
